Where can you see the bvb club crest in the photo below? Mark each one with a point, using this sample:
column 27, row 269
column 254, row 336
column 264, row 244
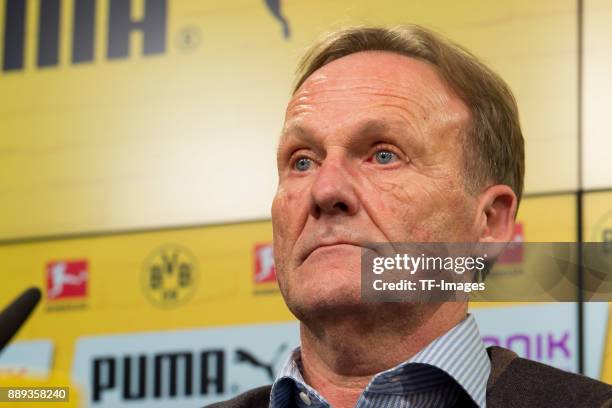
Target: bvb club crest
column 169, row 276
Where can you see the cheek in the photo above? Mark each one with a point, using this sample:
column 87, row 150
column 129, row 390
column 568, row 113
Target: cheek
column 400, row 200
column 279, row 226
column 286, row 209
column 418, row 208
column 286, row 220
column 462, row 220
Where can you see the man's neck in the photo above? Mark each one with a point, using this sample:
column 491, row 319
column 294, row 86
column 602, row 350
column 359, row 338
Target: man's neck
column 341, row 355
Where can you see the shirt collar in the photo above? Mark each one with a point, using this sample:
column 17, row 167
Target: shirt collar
column 459, row 352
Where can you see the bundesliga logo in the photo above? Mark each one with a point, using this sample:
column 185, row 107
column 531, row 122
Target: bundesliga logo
column 265, row 270
column 67, row 279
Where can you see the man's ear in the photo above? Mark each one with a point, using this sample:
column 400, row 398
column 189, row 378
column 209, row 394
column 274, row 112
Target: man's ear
column 496, row 211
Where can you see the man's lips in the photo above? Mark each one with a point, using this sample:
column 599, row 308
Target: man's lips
column 322, row 245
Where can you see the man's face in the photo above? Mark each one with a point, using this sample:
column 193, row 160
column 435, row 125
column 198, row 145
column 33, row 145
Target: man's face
column 371, row 151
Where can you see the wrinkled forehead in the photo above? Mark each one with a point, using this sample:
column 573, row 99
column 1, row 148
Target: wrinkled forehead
column 376, row 77
column 374, row 84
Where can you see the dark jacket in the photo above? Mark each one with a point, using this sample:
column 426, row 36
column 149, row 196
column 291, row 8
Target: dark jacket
column 514, row 383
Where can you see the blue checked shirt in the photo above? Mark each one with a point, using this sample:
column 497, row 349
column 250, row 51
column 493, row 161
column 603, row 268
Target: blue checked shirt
column 451, row 366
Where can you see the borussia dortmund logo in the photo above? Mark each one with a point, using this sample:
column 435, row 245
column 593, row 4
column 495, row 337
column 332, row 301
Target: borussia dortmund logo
column 169, row 276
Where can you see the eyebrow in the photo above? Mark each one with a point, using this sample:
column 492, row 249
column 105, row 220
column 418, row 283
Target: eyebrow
column 378, row 126
column 368, row 127
column 300, row 132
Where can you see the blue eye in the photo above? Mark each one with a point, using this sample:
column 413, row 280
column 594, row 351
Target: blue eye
column 384, row 157
column 302, row 164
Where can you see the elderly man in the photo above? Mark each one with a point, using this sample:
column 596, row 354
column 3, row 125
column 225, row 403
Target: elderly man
column 397, row 135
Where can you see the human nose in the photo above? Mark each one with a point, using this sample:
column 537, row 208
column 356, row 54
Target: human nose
column 333, row 190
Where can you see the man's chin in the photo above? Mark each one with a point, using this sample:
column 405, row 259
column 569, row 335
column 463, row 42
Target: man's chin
column 323, row 287
column 324, row 303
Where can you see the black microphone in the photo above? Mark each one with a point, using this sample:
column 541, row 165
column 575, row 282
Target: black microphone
column 16, row 314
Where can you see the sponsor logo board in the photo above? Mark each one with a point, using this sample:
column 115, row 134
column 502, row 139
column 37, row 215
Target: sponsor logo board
column 181, row 368
column 541, row 332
